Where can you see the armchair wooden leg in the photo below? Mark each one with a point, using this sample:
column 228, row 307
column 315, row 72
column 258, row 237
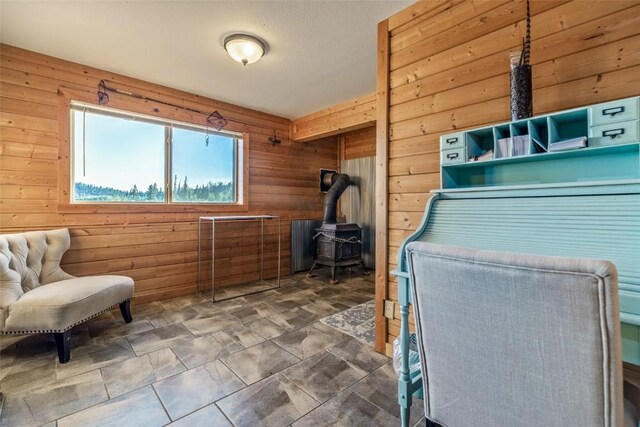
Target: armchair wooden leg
column 63, row 343
column 125, row 309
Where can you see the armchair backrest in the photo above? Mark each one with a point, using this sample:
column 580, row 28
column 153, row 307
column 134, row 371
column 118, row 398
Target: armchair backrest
column 29, row 260
column 510, row 339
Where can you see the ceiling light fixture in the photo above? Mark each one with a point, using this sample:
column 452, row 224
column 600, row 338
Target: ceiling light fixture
column 244, row 48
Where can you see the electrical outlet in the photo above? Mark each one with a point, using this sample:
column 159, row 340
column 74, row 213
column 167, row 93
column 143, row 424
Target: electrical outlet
column 389, row 307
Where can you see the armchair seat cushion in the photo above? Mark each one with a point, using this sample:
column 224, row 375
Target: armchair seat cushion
column 58, row 306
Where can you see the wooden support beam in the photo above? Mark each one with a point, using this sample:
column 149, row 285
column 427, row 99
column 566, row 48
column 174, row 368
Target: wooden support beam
column 352, row 115
column 382, row 184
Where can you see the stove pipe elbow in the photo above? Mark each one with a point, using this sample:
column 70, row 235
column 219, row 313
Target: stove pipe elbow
column 339, row 182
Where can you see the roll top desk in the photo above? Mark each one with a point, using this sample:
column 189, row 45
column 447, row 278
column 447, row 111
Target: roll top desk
column 507, row 187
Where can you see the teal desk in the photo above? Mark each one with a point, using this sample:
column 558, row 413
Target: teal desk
column 581, row 203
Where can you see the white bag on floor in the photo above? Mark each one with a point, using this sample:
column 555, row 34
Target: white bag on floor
column 414, row 359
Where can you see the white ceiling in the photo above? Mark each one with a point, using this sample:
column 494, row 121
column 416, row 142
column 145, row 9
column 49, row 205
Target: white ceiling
column 320, row 52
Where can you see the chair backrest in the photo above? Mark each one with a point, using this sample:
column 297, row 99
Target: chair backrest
column 511, row 339
column 28, row 260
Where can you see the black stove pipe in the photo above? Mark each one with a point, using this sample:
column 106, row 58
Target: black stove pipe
column 339, row 182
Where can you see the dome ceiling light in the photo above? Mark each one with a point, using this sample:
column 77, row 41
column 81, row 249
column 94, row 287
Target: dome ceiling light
column 244, row 48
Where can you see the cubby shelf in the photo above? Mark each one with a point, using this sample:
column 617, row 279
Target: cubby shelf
column 605, row 139
column 541, row 157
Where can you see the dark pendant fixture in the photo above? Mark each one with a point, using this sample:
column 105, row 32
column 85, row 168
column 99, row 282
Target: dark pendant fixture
column 521, row 85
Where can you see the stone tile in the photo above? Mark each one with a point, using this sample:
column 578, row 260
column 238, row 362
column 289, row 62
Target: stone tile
column 259, row 361
column 121, row 378
column 345, row 410
column 29, row 375
column 207, row 416
column 208, row 308
column 93, row 357
column 323, row 376
column 252, row 312
column 305, row 342
column 191, row 390
column 118, row 328
column 180, row 303
column 137, row 408
column 330, row 331
column 236, row 291
column 10, row 340
column 274, row 401
column 293, row 319
column 245, row 335
column 50, row 403
column 291, row 281
column 31, row 360
column 209, row 325
column 266, row 328
column 289, row 303
column 35, row 346
column 206, row 349
column 324, row 308
column 150, row 309
column 166, row 336
column 353, row 298
column 182, row 315
column 359, row 354
column 381, row 388
column 7, row 356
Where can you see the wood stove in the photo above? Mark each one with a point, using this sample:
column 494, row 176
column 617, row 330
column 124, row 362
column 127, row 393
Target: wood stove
column 337, row 244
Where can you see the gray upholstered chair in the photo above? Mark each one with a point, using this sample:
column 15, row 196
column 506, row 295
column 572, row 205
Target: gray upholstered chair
column 518, row 340
column 36, row 296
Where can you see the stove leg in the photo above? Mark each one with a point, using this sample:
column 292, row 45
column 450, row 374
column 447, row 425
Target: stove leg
column 333, row 275
column 312, row 267
column 364, row 269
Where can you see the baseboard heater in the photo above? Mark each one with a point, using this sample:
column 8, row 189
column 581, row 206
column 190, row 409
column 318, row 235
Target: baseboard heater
column 302, row 244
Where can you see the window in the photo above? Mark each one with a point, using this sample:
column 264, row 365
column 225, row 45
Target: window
column 119, row 157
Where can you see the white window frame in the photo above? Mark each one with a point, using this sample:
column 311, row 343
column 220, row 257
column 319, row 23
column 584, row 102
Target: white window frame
column 238, row 138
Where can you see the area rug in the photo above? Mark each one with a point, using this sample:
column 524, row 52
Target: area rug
column 357, row 321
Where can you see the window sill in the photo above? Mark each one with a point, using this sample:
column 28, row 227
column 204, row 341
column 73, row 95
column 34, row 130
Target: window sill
column 150, row 208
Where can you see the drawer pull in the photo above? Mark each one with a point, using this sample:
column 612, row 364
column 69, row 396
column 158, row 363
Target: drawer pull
column 451, row 156
column 612, row 133
column 452, row 140
column 613, row 111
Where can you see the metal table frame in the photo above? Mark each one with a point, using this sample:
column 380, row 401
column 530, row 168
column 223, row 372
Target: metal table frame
column 213, row 220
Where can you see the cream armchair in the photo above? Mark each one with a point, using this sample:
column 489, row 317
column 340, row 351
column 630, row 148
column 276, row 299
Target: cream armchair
column 37, row 296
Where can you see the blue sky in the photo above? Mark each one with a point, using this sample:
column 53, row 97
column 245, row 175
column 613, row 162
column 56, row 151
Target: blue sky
column 121, row 153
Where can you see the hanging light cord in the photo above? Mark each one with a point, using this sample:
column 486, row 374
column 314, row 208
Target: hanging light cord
column 526, row 51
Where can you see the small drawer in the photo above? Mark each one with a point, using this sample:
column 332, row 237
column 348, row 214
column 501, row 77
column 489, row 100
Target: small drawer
column 614, row 133
column 451, row 157
column 453, row 140
column 613, row 112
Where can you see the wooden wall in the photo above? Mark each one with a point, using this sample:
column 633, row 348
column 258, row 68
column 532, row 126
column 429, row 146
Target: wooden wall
column 447, row 69
column 157, row 249
column 357, row 144
column 351, row 115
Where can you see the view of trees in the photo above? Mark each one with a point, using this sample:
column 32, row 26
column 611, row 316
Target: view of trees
column 211, row 192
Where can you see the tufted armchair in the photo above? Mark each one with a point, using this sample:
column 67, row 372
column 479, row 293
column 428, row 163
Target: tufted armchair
column 37, row 296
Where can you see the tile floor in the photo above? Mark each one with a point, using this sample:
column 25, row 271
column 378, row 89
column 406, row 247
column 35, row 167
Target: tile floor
column 259, row 360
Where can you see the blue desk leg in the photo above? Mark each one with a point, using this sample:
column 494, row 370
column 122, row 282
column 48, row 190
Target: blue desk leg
column 404, row 381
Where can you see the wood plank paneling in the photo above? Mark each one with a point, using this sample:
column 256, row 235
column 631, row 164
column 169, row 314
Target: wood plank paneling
column 449, row 71
column 358, row 143
column 157, row 249
column 356, row 114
